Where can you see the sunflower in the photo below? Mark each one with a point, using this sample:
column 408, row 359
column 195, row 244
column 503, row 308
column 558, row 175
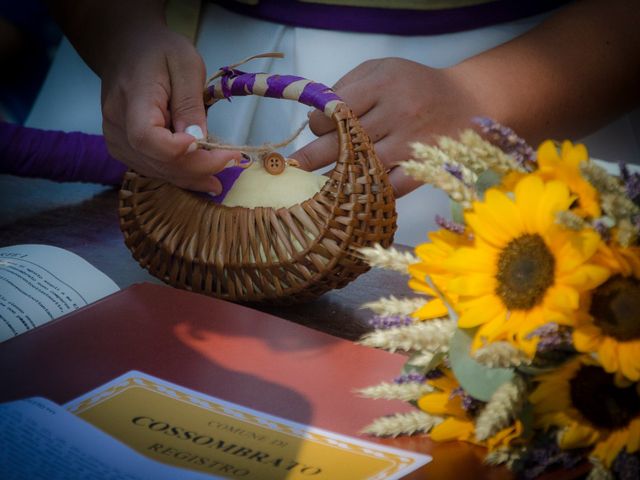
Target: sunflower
column 523, row 270
column 590, row 408
column 565, row 166
column 609, row 321
column 443, row 244
column 449, row 400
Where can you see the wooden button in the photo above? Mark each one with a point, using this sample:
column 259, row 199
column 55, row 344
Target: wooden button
column 274, row 163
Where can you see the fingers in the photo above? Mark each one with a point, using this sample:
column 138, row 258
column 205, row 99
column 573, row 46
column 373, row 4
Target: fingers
column 319, row 153
column 402, row 183
column 156, row 152
column 198, row 177
column 146, row 132
column 325, row 149
column 391, row 151
column 361, row 71
column 153, row 108
column 187, row 74
column 356, row 89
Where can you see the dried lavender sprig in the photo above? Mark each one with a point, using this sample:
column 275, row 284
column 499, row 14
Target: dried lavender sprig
column 507, row 140
column 544, row 454
column 470, row 404
column 450, row 225
column 603, row 226
column 633, row 187
column 383, row 322
column 432, row 374
column 458, row 191
column 418, row 377
column 626, row 466
column 410, row 377
column 552, row 337
column 454, row 170
column 631, row 182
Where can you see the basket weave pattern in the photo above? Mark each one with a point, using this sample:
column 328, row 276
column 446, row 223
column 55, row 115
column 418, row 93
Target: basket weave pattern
column 284, row 255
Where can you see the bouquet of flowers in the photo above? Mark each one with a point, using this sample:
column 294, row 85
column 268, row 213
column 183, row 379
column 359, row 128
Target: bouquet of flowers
column 524, row 335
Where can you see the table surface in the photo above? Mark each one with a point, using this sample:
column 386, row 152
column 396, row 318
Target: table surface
column 83, row 218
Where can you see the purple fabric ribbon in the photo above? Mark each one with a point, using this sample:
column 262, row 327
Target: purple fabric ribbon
column 227, row 178
column 59, row 156
column 71, row 157
column 314, row 94
column 396, row 21
column 246, row 80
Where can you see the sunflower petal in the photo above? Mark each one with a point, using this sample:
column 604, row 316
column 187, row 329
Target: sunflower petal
column 608, row 355
column 555, row 198
column 562, row 297
column 633, row 443
column 528, row 195
column 547, row 155
column 452, row 429
column 467, row 259
column 441, row 403
column 473, row 284
column 585, row 277
column 586, row 338
column 479, row 311
column 432, row 309
column 577, row 436
column 629, row 364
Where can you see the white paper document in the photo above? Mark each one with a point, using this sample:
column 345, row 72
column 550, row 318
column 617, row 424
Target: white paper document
column 42, row 441
column 39, row 283
column 188, row 429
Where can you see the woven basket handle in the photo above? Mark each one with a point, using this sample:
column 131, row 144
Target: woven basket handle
column 236, row 83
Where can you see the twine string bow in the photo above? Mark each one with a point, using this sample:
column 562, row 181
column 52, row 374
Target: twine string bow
column 226, row 74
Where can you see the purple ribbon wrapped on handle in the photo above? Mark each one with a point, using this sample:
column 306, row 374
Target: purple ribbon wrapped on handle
column 82, row 157
column 233, row 82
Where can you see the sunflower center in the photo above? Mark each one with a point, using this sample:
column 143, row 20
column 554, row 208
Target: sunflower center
column 525, row 272
column 595, row 395
column 615, row 307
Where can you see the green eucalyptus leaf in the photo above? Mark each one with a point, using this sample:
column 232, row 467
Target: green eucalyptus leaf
column 477, row 380
column 457, row 213
column 486, row 180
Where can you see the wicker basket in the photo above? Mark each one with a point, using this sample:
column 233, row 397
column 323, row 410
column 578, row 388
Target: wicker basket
column 284, row 255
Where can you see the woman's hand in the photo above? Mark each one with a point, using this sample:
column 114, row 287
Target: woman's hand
column 150, row 96
column 398, row 102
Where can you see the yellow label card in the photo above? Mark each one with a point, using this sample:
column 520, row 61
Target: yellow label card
column 192, row 430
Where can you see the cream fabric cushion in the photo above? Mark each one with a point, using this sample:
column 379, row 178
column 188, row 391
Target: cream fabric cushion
column 256, row 187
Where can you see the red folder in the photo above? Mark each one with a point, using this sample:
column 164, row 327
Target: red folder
column 225, row 350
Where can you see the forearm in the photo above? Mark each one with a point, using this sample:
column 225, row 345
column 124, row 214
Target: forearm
column 102, row 30
column 565, row 78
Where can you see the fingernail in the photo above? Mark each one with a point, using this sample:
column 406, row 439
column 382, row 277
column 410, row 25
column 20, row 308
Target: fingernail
column 192, row 148
column 215, row 193
column 194, row 131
